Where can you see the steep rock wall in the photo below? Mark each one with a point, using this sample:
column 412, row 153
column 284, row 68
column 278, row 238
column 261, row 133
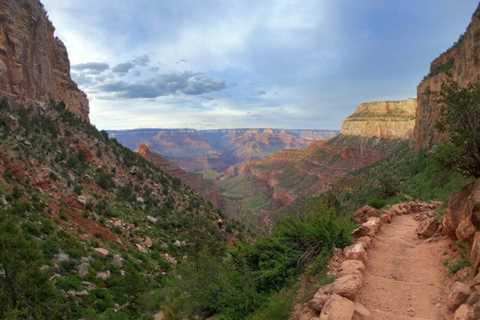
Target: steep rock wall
column 384, row 119
column 462, row 64
column 34, row 65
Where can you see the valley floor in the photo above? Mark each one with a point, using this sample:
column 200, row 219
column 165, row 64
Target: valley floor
column 404, row 274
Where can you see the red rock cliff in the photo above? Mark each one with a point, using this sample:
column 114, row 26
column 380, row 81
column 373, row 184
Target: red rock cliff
column 462, row 62
column 34, row 65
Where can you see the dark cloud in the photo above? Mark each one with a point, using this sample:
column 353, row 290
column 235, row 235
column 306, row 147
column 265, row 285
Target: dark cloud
column 91, row 67
column 123, row 68
column 187, row 83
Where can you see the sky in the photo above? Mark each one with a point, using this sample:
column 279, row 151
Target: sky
column 208, row 64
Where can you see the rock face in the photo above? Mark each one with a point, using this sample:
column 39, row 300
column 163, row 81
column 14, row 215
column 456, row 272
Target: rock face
column 34, row 65
column 462, row 62
column 385, row 119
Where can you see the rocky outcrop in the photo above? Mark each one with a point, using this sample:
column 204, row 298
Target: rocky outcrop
column 384, row 119
column 34, row 64
column 462, row 64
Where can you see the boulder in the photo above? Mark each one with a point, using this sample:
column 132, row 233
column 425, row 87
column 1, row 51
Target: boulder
column 159, row 316
column 307, row 314
column 465, row 312
column 373, row 225
column 458, row 295
column 355, row 252
column 361, row 215
column 337, row 308
column 387, row 218
column 427, row 228
column 105, row 275
column 366, row 241
column 475, row 253
column 465, row 230
column 348, row 285
column 351, row 267
column 361, row 313
column 360, row 232
column 117, row 261
column 318, row 301
column 83, row 269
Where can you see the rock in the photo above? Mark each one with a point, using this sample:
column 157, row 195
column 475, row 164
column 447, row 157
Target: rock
column 152, row 219
column 383, row 119
column 366, row 241
column 62, row 257
column 475, row 253
column 351, row 267
column 476, row 310
column 465, row 312
column 117, row 261
column 34, row 63
column 318, row 301
column 148, row 242
column 361, row 215
column 373, row 225
column 348, row 286
column 474, row 298
column 355, row 252
column 159, row 316
column 465, row 230
column 83, row 269
column 83, row 200
column 337, row 308
column 458, row 295
column 361, row 313
column 102, row 251
column 360, row 232
column 387, row 218
column 104, row 275
column 427, row 228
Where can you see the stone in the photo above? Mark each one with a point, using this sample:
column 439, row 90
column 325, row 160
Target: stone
column 159, row 316
column 458, row 295
column 464, row 312
column 152, row 220
column 360, row 232
column 105, row 275
column 387, row 218
column 475, row 252
column 102, row 251
column 83, row 269
column 318, row 301
column 361, row 313
column 34, row 64
column 355, row 252
column 366, row 241
column 373, row 225
column 427, row 228
column 361, row 215
column 348, row 286
column 382, row 119
column 337, row 308
column 117, row 261
column 465, row 230
column 148, row 242
column 351, row 267
column 62, row 257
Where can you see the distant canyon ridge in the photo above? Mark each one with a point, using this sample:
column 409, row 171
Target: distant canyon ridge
column 217, row 150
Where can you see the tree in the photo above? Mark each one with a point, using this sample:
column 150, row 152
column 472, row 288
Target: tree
column 460, row 122
column 25, row 291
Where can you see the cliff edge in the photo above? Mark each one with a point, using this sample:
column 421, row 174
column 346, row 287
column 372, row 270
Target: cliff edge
column 34, row 64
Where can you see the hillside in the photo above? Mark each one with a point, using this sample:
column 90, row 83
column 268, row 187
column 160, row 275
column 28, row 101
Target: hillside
column 88, row 228
column 205, row 150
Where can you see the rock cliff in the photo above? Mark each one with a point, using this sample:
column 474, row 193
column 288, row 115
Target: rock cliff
column 385, row 119
column 462, row 64
column 34, row 64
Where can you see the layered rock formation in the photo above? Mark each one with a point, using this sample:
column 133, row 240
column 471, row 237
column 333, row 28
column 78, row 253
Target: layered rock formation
column 34, row 65
column 384, row 119
column 462, row 64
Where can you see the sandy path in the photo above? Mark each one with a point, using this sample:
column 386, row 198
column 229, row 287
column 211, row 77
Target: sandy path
column 404, row 275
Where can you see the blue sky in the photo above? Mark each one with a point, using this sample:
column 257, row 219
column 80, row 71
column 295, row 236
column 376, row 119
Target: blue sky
column 250, row 63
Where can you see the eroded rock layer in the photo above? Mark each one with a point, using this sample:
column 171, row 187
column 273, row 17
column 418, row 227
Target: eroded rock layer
column 34, row 64
column 384, row 119
column 462, row 64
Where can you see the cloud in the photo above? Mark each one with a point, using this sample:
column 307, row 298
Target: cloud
column 187, row 83
column 141, row 61
column 123, row 68
column 91, row 67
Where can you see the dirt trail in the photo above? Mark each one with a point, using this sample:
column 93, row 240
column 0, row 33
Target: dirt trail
column 404, row 275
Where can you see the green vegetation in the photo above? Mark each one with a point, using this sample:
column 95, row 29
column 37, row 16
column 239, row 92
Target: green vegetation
column 460, row 121
column 256, row 281
column 443, row 68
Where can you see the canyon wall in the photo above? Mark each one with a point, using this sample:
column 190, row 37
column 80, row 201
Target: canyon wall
column 34, row 64
column 461, row 63
column 383, row 119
